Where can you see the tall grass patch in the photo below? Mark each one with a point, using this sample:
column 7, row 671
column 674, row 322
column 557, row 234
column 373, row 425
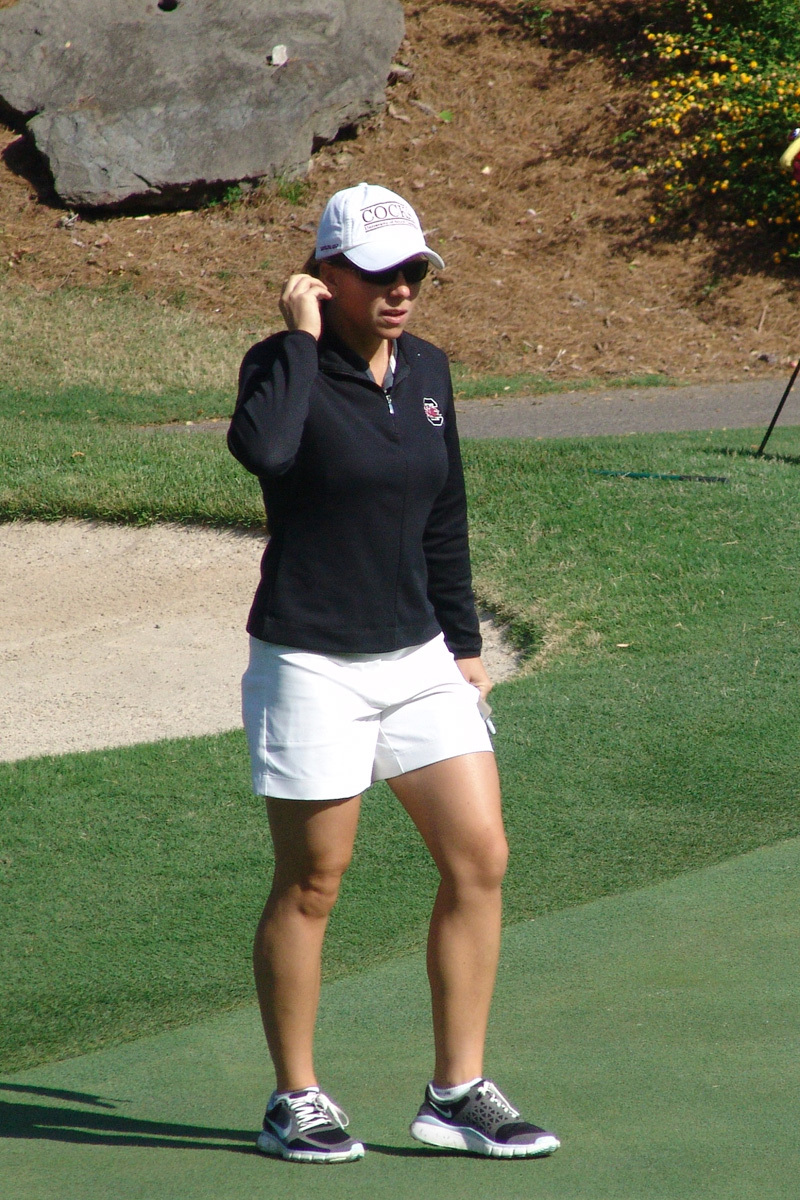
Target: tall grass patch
column 111, row 339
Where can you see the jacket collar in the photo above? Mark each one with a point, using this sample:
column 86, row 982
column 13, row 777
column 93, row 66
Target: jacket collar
column 336, row 357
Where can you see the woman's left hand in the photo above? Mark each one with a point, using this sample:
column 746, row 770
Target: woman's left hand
column 474, row 672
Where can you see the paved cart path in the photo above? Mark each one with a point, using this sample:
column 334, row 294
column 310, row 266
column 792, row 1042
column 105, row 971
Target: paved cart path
column 597, row 412
column 630, row 410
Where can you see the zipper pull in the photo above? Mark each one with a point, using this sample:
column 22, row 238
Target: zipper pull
column 389, row 402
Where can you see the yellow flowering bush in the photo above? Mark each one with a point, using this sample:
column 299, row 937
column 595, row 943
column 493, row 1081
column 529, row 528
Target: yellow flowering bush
column 723, row 98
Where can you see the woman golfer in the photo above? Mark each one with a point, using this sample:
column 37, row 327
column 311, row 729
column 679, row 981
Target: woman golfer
column 365, row 664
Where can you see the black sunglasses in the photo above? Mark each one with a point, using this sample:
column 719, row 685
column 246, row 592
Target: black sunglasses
column 413, row 271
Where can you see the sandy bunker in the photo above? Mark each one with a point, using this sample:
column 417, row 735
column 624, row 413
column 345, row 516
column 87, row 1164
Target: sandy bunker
column 113, row 635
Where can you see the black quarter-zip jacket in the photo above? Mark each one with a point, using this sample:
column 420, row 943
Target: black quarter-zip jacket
column 365, row 500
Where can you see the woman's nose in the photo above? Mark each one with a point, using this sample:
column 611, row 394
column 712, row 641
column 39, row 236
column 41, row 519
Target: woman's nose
column 400, row 287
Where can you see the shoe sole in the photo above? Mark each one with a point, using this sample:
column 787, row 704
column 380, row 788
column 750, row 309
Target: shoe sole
column 268, row 1144
column 461, row 1137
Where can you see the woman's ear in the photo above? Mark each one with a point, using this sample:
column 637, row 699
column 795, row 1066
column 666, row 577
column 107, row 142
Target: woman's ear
column 328, row 275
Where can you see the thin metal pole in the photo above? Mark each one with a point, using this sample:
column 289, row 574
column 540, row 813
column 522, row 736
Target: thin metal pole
column 773, row 422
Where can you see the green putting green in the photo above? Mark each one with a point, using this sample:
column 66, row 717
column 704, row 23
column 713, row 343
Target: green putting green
column 656, row 1031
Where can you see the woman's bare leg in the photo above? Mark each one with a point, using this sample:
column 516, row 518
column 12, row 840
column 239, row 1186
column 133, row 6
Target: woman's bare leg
column 455, row 804
column 313, row 846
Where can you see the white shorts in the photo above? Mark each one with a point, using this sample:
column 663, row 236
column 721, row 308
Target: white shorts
column 323, row 727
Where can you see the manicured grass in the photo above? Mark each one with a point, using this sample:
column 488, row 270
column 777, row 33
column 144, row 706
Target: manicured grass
column 90, row 405
column 133, row 878
column 654, row 1031
column 576, row 559
column 660, row 735
column 55, row 468
column 115, row 473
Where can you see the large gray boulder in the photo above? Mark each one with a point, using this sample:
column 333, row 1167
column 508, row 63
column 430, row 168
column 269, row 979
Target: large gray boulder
column 145, row 98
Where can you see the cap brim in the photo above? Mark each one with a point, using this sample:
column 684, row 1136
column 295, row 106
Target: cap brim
column 380, row 256
column 434, row 258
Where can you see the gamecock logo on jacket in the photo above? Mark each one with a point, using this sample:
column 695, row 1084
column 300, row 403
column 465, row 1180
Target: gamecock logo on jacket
column 432, row 411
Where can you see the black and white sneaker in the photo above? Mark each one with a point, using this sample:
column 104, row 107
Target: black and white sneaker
column 307, row 1127
column 481, row 1122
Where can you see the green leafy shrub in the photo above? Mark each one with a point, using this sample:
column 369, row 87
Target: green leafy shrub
column 724, row 97
column 294, row 191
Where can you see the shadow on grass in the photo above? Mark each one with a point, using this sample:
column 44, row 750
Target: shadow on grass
column 414, row 1151
column 792, row 460
column 42, row 1122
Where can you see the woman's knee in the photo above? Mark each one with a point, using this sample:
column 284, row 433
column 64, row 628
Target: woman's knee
column 311, row 892
column 482, row 865
column 493, row 862
column 313, row 844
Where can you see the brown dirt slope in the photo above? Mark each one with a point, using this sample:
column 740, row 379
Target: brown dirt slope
column 508, row 145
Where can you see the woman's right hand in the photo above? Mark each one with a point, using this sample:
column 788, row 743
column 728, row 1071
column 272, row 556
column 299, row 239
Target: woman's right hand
column 300, row 303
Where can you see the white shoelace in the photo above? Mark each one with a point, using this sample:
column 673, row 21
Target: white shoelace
column 316, row 1109
column 491, row 1092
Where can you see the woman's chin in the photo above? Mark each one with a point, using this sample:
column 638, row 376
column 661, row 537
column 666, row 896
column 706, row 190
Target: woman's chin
column 391, row 326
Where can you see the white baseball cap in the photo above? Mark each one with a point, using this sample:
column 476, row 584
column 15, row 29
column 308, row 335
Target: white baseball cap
column 374, row 227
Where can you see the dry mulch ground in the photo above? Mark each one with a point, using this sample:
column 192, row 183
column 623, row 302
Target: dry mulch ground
column 552, row 266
